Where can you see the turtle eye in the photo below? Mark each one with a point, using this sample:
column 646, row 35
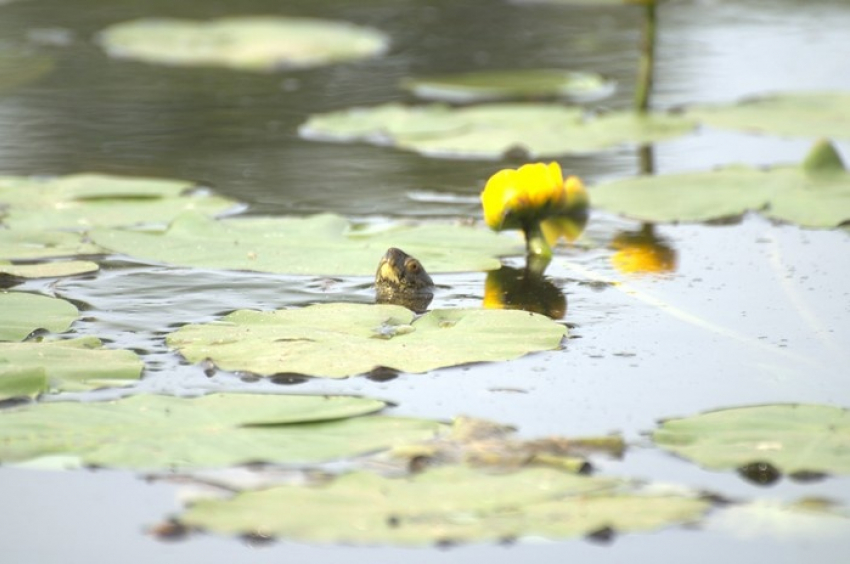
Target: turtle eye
column 413, row 266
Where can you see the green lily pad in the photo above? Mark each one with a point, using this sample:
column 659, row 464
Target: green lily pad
column 814, row 114
column 490, row 131
column 246, row 43
column 153, row 432
column 73, row 364
column 22, row 313
column 339, row 340
column 18, row 68
column 792, row 438
column 86, row 200
column 48, row 269
column 323, row 244
column 445, row 505
column 810, row 196
column 22, row 382
column 511, row 85
column 29, row 244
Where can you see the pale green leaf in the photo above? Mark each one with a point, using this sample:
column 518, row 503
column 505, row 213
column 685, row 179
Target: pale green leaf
column 796, row 194
column 164, row 432
column 803, row 114
column 247, row 43
column 323, row 244
column 73, row 364
column 445, row 505
column 48, row 269
column 792, row 438
column 490, row 131
column 86, row 200
column 22, row 382
column 513, row 84
column 29, row 244
column 338, row 340
column 22, row 313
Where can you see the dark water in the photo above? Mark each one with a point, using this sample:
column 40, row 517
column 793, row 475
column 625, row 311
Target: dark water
column 755, row 312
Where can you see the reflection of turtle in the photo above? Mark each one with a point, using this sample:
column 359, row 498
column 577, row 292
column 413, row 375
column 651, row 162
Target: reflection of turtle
column 402, row 280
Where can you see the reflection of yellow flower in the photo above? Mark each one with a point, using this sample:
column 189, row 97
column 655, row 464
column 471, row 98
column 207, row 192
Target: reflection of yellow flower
column 643, row 252
column 534, row 197
column 513, row 288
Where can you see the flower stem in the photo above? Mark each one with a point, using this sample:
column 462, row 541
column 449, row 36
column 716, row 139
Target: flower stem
column 535, row 241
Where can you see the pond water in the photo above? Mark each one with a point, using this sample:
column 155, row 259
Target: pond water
column 754, row 313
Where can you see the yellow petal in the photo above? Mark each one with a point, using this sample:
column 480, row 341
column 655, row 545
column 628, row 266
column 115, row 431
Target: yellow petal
column 499, row 191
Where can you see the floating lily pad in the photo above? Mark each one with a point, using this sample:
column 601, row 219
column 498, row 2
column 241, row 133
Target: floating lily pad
column 149, row 432
column 322, row 244
column 22, row 313
column 792, row 438
column 22, row 382
column 28, row 244
column 48, row 269
column 73, row 364
column 816, row 114
column 245, row 43
column 338, row 340
column 444, row 505
column 807, row 519
column 511, row 85
column 492, row 130
column 18, row 68
column 803, row 195
column 86, row 200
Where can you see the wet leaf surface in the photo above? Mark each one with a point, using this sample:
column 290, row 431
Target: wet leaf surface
column 339, row 340
column 86, row 200
column 490, row 131
column 792, row 438
column 164, row 432
column 323, row 244
column 510, row 84
column 22, row 382
column 22, row 313
column 246, row 43
column 808, row 519
column 446, row 505
column 73, row 364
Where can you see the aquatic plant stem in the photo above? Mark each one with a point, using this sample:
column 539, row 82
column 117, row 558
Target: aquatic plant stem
column 646, row 68
column 535, row 242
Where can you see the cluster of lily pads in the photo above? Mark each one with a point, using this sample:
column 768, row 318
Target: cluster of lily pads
column 414, row 481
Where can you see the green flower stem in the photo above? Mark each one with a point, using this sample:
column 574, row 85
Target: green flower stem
column 646, row 69
column 535, row 241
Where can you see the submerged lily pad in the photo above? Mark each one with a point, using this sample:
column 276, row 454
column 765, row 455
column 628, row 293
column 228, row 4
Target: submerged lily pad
column 73, row 364
column 86, row 200
column 247, row 43
column 807, row 519
column 18, row 68
column 814, row 114
column 514, row 84
column 48, row 269
column 153, row 432
column 22, row 313
column 29, row 244
column 445, row 505
column 804, row 195
column 792, row 438
column 338, row 340
column 490, row 131
column 323, row 244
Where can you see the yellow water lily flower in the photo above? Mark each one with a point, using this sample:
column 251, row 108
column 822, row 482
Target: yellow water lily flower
column 537, row 199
